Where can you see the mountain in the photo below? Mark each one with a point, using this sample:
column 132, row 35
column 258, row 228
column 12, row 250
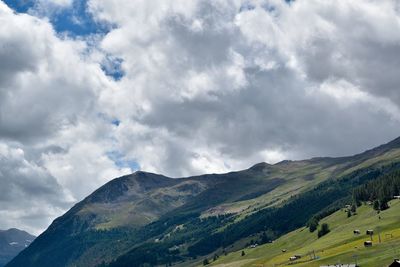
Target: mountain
column 340, row 245
column 145, row 219
column 12, row 242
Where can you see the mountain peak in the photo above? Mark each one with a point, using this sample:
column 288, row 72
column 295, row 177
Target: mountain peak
column 260, row 166
column 138, row 181
column 13, row 241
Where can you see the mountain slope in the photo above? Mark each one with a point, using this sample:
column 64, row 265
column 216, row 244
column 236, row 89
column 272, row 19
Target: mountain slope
column 340, row 245
column 148, row 218
column 13, row 241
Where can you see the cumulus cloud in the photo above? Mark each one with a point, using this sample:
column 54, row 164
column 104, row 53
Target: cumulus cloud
column 186, row 87
column 29, row 195
column 49, row 87
column 44, row 85
column 240, row 80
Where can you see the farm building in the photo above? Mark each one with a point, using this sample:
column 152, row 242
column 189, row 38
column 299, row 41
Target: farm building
column 396, row 263
column 368, row 244
column 295, row 257
column 356, row 232
column 340, row 265
column 370, row 232
column 396, row 197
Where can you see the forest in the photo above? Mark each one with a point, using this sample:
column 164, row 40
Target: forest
column 380, row 191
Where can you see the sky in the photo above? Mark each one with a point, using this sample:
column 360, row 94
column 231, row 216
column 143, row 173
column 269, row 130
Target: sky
column 92, row 90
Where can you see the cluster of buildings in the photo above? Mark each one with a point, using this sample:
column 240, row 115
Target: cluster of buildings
column 340, row 265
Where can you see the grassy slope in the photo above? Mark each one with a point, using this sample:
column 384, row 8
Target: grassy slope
column 302, row 175
column 338, row 246
column 299, row 176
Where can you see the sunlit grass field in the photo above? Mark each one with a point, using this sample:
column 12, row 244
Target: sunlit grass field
column 338, row 246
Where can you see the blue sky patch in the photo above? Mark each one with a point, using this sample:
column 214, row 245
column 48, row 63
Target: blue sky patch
column 75, row 20
column 122, row 162
column 112, row 66
column 115, row 122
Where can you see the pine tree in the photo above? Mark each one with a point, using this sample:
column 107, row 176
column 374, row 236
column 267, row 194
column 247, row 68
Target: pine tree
column 348, row 213
column 376, row 205
column 324, row 230
column 312, row 224
column 215, row 257
column 354, row 208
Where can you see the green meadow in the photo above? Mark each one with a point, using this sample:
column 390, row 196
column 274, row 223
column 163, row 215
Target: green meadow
column 340, row 245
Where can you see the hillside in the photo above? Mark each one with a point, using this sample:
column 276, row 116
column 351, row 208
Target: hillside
column 12, row 242
column 341, row 245
column 151, row 219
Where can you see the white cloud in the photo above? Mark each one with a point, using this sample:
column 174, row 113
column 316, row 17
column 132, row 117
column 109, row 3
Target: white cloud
column 29, row 195
column 215, row 77
column 347, row 95
column 83, row 158
column 208, row 86
column 49, row 88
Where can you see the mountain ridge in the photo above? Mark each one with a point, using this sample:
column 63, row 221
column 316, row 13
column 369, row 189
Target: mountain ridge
column 13, row 241
column 142, row 207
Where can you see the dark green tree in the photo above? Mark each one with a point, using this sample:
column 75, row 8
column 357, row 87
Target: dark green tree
column 383, row 204
column 380, row 191
column 312, row 224
column 353, row 208
column 215, row 257
column 324, row 230
column 376, row 205
column 348, row 213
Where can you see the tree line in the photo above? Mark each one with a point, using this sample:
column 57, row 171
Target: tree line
column 379, row 191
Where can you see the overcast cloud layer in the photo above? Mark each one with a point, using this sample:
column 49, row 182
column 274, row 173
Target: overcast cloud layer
column 195, row 87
